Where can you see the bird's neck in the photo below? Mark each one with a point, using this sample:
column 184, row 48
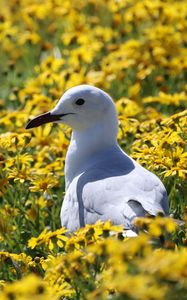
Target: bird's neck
column 89, row 146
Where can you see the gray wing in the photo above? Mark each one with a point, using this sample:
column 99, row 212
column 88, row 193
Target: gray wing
column 116, row 189
column 119, row 197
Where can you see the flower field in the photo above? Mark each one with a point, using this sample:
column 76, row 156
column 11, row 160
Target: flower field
column 136, row 50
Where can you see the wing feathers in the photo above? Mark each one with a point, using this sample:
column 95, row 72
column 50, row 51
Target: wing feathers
column 110, row 194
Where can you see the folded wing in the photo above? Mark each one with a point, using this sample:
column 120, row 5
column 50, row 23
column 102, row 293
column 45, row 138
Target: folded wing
column 120, row 198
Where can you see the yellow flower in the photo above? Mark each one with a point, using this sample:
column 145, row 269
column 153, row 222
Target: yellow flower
column 46, row 238
column 163, row 98
column 42, row 136
column 20, row 174
column 43, row 182
column 134, row 90
column 30, row 37
column 20, row 160
column 160, row 262
column 22, row 289
column 127, row 107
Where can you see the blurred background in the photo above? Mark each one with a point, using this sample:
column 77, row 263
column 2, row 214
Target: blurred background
column 134, row 50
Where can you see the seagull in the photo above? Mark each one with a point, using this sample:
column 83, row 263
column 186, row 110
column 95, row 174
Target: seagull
column 102, row 181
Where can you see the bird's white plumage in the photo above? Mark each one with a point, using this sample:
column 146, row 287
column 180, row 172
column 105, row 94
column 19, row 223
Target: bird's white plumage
column 102, row 182
column 115, row 188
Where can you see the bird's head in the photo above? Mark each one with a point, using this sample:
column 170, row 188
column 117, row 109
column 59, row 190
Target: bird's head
column 80, row 107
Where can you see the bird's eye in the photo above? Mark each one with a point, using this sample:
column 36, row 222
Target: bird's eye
column 80, row 101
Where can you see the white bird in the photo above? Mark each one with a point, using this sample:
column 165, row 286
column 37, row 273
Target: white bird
column 102, row 181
